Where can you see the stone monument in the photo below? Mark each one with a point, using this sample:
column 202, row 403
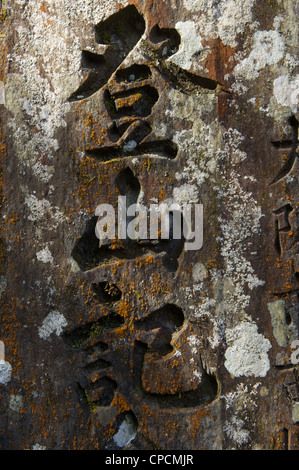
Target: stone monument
column 116, row 339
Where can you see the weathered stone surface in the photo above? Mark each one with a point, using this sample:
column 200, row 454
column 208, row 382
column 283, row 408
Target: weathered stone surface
column 134, row 345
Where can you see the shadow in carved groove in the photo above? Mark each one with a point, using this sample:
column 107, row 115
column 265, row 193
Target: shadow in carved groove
column 100, row 393
column 290, row 145
column 129, row 92
column 106, row 292
column 282, row 224
column 133, row 137
column 88, row 254
column 168, row 40
column 95, row 385
column 136, row 102
column 134, row 73
column 153, row 338
column 80, row 335
column 206, row 393
column 129, row 133
column 155, row 343
column 128, row 185
column 120, row 33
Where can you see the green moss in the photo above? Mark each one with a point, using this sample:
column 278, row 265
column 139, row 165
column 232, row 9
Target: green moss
column 92, row 407
column 110, row 105
column 106, row 38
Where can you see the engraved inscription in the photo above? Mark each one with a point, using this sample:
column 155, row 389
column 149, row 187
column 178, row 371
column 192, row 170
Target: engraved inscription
column 135, row 354
column 290, row 147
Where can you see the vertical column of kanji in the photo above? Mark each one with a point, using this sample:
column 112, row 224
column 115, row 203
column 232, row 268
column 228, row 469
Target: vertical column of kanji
column 284, row 307
column 113, row 130
column 129, row 363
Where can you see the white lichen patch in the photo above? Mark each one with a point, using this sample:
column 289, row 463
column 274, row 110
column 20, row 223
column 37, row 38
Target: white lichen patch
column 5, row 372
column 42, row 172
column 211, row 150
column 199, row 272
column 205, row 153
column 194, row 343
column 185, row 194
column 286, row 92
column 40, row 208
column 247, row 354
column 268, row 49
column 295, row 412
column 232, row 139
column 283, row 333
column 38, row 447
column 205, row 307
column 190, row 44
column 233, row 17
column 3, row 284
column 225, row 19
column 37, row 207
column 45, row 256
column 201, row 164
column 46, row 70
column 234, row 429
column 16, row 403
column 126, row 433
column 242, row 399
column 53, row 323
column 197, row 375
column 242, row 221
column 178, row 107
